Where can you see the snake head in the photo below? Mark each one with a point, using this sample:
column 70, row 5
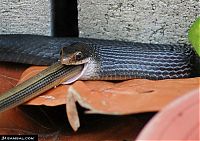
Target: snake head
column 75, row 54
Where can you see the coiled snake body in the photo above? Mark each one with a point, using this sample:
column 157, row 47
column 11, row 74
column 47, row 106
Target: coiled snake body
column 109, row 60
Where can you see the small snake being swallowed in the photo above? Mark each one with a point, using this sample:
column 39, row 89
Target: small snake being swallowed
column 90, row 59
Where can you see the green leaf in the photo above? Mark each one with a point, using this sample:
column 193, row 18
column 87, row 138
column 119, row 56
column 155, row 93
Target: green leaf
column 194, row 35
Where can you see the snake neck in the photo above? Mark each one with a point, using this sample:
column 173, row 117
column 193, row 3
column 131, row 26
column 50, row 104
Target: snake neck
column 127, row 62
column 90, row 71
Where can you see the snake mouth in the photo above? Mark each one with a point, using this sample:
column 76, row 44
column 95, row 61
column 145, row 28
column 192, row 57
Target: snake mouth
column 77, row 77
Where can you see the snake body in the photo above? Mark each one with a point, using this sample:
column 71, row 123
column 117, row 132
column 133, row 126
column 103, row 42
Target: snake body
column 110, row 60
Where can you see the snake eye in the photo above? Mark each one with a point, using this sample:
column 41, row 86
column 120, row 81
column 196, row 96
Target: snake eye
column 79, row 55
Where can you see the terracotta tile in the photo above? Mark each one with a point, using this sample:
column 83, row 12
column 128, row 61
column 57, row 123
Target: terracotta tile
column 126, row 97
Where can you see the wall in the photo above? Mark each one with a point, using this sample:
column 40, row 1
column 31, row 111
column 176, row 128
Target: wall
column 156, row 21
column 25, row 16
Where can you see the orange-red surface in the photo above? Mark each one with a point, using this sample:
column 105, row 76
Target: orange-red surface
column 127, row 97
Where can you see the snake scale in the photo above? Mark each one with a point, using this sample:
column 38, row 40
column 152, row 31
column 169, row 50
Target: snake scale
column 109, row 59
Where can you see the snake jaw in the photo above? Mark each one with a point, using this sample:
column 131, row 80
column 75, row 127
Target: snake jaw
column 77, row 77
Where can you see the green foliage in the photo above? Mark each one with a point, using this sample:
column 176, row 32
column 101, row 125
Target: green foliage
column 194, row 35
